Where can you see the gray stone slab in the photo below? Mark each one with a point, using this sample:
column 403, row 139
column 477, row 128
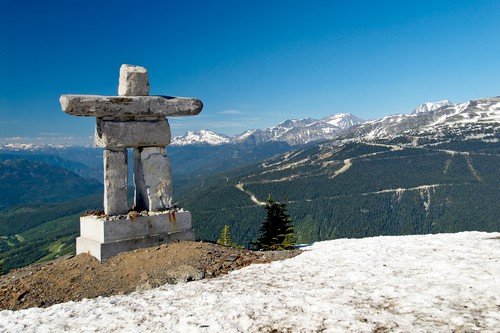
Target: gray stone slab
column 101, row 230
column 129, row 107
column 115, row 182
column 103, row 251
column 117, row 135
column 133, row 81
column 152, row 179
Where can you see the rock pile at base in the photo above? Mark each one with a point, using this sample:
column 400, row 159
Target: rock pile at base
column 73, row 278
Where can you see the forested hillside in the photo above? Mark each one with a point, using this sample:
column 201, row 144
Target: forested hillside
column 41, row 232
column 25, row 181
column 198, row 161
column 358, row 190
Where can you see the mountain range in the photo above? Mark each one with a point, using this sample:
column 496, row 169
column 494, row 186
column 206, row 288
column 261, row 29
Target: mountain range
column 475, row 117
column 435, row 118
column 292, row 131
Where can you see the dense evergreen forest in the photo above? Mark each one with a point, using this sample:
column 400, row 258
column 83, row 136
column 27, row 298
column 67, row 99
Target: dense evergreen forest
column 24, row 181
column 382, row 189
column 41, row 232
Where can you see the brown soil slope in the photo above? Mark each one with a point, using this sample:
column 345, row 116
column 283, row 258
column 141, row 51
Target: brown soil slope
column 73, row 278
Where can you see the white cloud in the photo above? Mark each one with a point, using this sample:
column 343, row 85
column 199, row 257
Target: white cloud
column 8, row 122
column 69, row 140
column 49, row 134
column 231, row 111
column 15, row 139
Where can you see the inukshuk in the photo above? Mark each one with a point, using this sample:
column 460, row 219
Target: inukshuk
column 133, row 120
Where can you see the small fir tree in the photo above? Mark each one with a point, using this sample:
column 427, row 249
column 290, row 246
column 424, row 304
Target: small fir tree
column 288, row 242
column 225, row 238
column 276, row 230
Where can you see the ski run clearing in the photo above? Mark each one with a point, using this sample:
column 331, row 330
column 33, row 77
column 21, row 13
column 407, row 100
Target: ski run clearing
column 426, row 283
column 240, row 186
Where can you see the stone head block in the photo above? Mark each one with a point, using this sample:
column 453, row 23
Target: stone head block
column 134, row 81
column 119, row 135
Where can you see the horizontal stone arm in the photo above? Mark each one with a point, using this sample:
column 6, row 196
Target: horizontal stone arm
column 129, row 107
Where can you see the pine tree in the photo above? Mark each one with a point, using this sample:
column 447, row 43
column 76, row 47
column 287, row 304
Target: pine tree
column 225, row 238
column 276, row 230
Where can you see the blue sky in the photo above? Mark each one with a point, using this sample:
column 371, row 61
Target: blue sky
column 252, row 63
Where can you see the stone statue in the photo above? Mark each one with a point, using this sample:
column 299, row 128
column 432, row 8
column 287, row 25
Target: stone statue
column 132, row 120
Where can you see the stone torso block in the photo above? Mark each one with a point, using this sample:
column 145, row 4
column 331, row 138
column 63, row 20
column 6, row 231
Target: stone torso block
column 119, row 135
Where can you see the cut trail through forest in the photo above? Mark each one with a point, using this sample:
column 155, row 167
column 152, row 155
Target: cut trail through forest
column 240, row 186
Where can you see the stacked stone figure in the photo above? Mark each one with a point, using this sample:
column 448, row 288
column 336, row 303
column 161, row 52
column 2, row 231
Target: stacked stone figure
column 133, row 120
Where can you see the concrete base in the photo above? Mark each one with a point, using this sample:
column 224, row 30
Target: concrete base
column 105, row 238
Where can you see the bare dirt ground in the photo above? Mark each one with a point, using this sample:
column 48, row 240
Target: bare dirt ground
column 73, row 278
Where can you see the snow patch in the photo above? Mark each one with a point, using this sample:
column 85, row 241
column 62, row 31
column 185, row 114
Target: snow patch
column 425, row 283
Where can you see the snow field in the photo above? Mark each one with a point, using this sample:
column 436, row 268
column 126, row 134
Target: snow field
column 428, row 283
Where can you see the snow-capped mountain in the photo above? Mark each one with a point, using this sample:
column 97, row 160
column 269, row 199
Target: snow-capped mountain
column 291, row 131
column 200, row 137
column 302, row 131
column 343, row 120
column 294, row 132
column 480, row 116
column 431, row 106
column 31, row 147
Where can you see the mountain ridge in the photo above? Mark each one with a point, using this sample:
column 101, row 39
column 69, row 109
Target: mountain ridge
column 441, row 116
column 292, row 131
column 430, row 118
column 479, row 116
column 431, row 106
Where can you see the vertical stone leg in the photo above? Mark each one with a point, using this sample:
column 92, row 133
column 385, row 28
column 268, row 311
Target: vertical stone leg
column 152, row 179
column 115, row 182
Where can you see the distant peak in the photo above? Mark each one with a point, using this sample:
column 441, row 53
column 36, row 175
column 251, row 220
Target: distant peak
column 431, row 106
column 297, row 121
column 341, row 115
column 200, row 137
column 343, row 120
